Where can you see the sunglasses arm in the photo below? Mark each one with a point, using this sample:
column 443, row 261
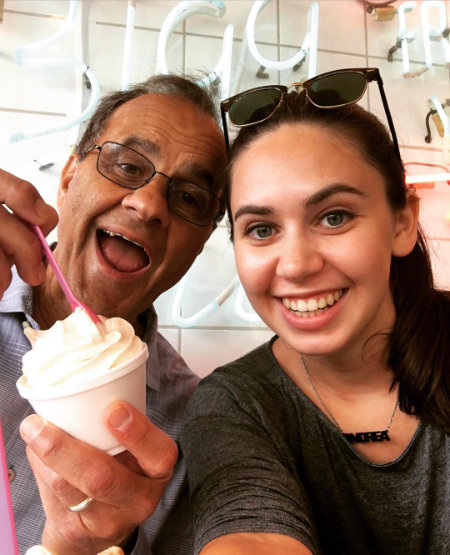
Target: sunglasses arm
column 225, row 128
column 388, row 114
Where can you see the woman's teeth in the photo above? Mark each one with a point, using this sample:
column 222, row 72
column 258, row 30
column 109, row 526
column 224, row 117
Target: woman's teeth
column 307, row 308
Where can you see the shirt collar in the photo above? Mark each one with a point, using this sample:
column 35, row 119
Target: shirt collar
column 155, row 371
column 19, row 298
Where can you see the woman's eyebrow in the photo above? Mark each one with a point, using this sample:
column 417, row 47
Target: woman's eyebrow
column 307, row 203
column 253, row 209
column 329, row 191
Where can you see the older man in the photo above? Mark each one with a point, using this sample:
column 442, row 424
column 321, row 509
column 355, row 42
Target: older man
column 136, row 204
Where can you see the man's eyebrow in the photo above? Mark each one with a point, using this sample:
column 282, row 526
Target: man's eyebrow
column 200, row 174
column 329, row 191
column 311, row 201
column 195, row 171
column 149, row 147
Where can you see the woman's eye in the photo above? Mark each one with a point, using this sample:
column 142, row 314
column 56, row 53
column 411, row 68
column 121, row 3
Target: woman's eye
column 335, row 219
column 260, row 232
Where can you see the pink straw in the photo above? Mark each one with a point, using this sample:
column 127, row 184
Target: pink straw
column 74, row 303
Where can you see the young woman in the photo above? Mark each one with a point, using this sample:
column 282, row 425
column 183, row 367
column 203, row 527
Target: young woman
column 333, row 438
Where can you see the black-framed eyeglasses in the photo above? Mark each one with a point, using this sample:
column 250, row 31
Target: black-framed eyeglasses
column 328, row 90
column 129, row 168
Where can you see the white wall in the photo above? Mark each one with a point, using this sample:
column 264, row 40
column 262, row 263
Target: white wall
column 348, row 37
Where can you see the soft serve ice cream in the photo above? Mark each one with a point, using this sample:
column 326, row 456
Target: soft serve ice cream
column 72, row 373
column 72, row 351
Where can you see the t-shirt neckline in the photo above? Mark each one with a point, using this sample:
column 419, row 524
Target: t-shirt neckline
column 283, row 376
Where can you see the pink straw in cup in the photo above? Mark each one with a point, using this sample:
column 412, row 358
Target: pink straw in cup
column 74, row 303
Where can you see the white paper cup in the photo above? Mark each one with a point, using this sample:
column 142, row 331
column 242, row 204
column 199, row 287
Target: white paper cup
column 78, row 409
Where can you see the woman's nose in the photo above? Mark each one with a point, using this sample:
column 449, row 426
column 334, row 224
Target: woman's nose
column 150, row 201
column 299, row 257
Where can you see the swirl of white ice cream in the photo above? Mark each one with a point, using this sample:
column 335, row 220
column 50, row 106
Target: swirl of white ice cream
column 73, row 351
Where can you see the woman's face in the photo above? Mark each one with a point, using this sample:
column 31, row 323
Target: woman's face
column 314, row 236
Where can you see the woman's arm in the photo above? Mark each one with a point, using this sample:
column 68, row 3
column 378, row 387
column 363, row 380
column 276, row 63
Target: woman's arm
column 252, row 543
column 246, row 495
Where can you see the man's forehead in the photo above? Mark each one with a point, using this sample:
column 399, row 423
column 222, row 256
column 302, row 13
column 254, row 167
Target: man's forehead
column 160, row 105
column 156, row 117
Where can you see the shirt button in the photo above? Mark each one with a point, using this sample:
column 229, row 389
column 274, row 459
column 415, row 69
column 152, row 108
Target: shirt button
column 11, row 474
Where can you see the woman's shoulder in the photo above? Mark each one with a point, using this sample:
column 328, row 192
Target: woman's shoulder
column 257, row 366
column 251, row 381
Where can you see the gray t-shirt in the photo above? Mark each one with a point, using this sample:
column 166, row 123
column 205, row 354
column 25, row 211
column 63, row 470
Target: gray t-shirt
column 262, row 457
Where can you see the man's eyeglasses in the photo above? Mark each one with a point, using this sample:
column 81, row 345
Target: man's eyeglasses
column 328, row 90
column 128, row 168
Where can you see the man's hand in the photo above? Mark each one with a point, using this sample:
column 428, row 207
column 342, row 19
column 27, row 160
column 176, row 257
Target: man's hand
column 41, row 550
column 126, row 489
column 18, row 244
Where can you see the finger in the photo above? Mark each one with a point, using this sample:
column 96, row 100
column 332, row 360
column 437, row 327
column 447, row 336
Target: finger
column 90, row 470
column 97, row 520
column 155, row 451
column 95, row 523
column 24, row 200
column 22, row 248
column 5, row 273
column 56, row 493
column 129, row 460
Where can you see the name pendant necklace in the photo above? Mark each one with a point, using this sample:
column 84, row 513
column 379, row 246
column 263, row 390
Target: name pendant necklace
column 357, row 437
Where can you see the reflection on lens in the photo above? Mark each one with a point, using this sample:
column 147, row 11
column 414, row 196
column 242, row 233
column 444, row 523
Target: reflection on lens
column 193, row 203
column 255, row 107
column 334, row 90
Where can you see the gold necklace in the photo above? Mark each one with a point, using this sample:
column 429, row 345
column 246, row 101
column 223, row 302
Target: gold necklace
column 357, row 437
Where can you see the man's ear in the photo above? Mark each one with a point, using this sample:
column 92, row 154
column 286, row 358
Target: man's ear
column 66, row 177
column 406, row 226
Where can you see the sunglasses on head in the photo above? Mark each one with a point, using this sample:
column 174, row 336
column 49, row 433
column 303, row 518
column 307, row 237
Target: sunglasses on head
column 328, row 90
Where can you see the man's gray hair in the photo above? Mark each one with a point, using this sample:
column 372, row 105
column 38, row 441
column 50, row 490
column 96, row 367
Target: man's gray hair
column 174, row 85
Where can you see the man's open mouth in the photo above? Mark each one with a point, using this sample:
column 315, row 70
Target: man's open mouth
column 123, row 254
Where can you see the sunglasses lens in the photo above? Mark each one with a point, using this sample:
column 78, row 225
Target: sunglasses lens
column 334, row 90
column 255, row 106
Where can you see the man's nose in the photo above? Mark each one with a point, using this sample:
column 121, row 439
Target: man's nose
column 150, row 201
column 299, row 257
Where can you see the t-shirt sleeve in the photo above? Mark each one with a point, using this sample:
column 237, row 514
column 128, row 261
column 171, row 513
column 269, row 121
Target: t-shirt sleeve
column 239, row 477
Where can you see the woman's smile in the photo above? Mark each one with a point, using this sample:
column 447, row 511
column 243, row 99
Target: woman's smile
column 311, row 306
column 314, row 239
column 312, row 319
